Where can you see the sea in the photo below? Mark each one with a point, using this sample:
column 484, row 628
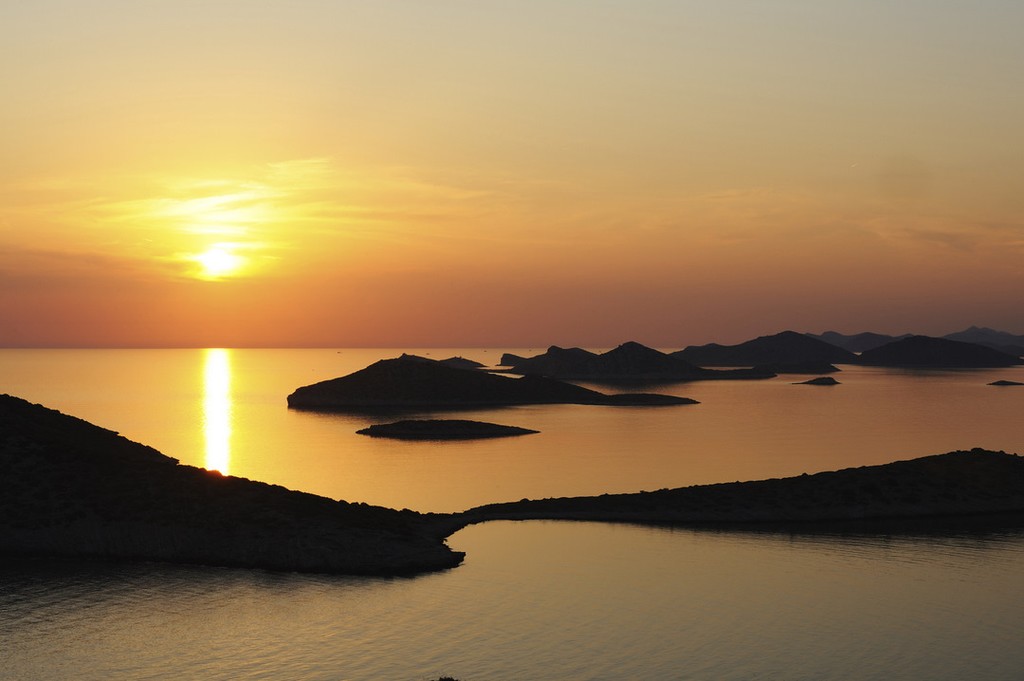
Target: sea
column 533, row 599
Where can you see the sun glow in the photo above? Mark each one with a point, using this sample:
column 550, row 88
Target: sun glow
column 219, row 261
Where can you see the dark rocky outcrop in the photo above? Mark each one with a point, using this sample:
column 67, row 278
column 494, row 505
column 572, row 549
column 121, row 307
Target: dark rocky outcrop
column 1005, row 383
column 73, row 489
column 508, row 359
column 401, row 384
column 630, row 362
column 997, row 340
column 959, row 483
column 788, row 347
column 858, row 342
column 442, row 429
column 938, row 353
column 820, row 380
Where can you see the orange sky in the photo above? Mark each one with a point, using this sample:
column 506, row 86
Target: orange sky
column 457, row 173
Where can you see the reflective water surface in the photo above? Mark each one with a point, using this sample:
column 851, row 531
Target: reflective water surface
column 534, row 600
column 545, row 600
column 201, row 406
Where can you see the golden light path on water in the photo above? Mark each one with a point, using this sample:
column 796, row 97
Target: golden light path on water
column 217, row 408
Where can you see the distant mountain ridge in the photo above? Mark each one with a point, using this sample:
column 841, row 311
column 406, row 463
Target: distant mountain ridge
column 858, row 342
column 997, row 340
column 787, row 347
column 861, row 342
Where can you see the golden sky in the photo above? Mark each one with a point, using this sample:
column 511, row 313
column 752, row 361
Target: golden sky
column 455, row 173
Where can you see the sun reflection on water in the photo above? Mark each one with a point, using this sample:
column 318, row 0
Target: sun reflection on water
column 217, row 408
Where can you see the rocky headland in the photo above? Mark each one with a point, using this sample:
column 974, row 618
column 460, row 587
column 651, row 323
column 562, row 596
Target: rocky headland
column 403, row 384
column 442, row 429
column 74, row 489
column 961, row 483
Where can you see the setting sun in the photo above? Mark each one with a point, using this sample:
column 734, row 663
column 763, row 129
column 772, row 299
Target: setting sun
column 218, row 262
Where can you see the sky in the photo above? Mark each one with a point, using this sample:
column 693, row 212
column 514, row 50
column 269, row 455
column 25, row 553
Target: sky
column 456, row 173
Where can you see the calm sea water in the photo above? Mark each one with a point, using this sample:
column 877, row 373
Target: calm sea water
column 533, row 600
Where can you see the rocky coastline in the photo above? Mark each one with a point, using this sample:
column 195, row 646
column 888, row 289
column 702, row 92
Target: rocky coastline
column 960, row 483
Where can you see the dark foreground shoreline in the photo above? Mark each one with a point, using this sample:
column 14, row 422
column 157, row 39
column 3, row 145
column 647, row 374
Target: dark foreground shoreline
column 76, row 490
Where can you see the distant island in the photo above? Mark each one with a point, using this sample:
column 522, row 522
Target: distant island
column 630, row 362
column 861, row 342
column 927, row 352
column 787, row 352
column 76, row 490
column 442, row 429
column 405, row 384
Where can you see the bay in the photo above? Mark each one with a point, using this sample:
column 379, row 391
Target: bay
column 537, row 600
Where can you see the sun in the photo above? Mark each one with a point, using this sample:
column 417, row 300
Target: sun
column 218, row 262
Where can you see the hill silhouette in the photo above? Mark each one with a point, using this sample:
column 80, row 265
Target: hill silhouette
column 788, row 347
column 629, row 362
column 997, row 340
column 857, row 342
column 928, row 352
column 74, row 489
column 402, row 384
column 958, row 483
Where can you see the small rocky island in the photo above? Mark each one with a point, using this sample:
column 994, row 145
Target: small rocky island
column 410, row 384
column 1004, row 382
column 820, row 380
column 442, row 429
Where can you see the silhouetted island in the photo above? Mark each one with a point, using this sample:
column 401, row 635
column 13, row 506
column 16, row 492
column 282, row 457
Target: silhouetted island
column 937, row 353
column 1004, row 382
column 403, row 384
column 77, row 490
column 787, row 348
column 820, row 380
column 443, row 429
column 630, row 362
